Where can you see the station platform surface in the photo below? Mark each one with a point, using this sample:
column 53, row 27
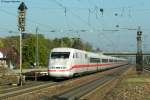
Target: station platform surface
column 29, row 70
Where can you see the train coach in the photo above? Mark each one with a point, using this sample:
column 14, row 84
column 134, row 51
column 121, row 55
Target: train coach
column 69, row 62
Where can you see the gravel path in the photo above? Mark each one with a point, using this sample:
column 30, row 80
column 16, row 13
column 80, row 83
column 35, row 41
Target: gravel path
column 132, row 87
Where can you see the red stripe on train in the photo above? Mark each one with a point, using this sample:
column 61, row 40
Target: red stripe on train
column 80, row 66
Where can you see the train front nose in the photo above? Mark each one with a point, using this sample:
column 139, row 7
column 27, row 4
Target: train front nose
column 59, row 73
column 59, row 70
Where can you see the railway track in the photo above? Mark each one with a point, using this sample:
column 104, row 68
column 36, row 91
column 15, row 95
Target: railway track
column 57, row 89
column 14, row 91
column 147, row 68
column 9, row 88
column 77, row 92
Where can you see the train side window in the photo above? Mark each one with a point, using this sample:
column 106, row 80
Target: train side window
column 110, row 60
column 77, row 55
column 94, row 60
column 74, row 56
column 86, row 56
column 104, row 60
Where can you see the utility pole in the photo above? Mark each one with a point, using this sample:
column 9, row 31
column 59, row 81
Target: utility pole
column 21, row 27
column 72, row 42
column 78, row 42
column 139, row 55
column 37, row 49
column 62, row 42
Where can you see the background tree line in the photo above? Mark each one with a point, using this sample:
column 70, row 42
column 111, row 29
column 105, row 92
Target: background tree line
column 44, row 47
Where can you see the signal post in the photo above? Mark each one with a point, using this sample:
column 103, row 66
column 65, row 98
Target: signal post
column 139, row 55
column 21, row 27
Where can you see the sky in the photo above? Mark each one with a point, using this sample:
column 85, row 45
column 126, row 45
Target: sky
column 113, row 29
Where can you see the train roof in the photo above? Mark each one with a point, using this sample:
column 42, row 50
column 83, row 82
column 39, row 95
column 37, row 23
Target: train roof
column 92, row 54
column 62, row 49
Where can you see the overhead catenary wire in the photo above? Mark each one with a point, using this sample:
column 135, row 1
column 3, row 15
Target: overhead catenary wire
column 88, row 23
column 28, row 20
column 102, row 33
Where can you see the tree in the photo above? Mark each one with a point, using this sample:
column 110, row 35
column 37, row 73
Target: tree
column 44, row 47
column 43, row 51
column 29, row 50
column 12, row 41
column 87, row 46
column 66, row 42
column 1, row 43
column 79, row 44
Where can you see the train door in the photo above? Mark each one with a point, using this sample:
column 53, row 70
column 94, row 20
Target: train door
column 99, row 67
column 76, row 62
column 86, row 61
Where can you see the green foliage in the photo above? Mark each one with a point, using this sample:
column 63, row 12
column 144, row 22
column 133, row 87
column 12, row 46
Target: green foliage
column 44, row 47
column 43, row 51
column 79, row 44
column 12, row 41
column 28, row 51
column 66, row 42
column 1, row 43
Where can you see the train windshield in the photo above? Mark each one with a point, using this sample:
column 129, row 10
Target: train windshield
column 60, row 55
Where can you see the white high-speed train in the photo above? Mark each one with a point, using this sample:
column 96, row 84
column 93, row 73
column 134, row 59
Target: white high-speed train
column 69, row 62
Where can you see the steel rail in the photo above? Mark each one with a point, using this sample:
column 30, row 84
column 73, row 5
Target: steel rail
column 147, row 69
column 15, row 88
column 77, row 92
column 25, row 89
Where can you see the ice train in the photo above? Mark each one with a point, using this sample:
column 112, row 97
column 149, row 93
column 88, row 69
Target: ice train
column 69, row 62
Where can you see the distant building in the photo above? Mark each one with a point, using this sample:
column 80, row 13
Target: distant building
column 9, row 57
column 2, row 59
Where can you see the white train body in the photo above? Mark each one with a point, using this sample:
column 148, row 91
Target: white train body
column 67, row 62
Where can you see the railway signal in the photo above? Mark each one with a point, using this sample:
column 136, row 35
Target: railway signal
column 21, row 18
column 101, row 10
column 21, row 27
column 139, row 55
